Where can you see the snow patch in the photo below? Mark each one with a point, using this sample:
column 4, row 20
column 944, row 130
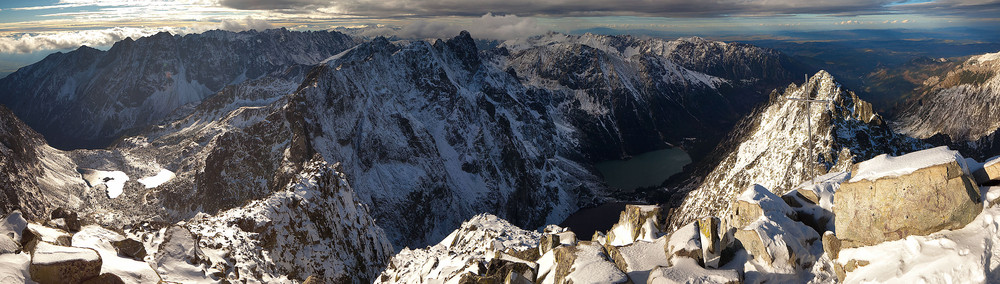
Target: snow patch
column 888, row 166
column 160, row 178
column 113, row 180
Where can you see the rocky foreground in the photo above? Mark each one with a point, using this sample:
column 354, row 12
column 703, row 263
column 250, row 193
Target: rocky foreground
column 927, row 216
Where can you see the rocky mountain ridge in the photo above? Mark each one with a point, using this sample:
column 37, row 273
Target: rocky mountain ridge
column 87, row 98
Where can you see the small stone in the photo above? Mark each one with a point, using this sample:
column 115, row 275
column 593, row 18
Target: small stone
column 831, row 245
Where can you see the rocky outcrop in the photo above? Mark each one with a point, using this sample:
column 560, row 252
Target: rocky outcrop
column 889, row 198
column 771, row 147
column 769, row 234
column 58, row 264
column 87, row 98
column 637, row 222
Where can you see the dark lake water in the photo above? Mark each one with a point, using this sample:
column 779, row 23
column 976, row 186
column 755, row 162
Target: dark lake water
column 644, row 170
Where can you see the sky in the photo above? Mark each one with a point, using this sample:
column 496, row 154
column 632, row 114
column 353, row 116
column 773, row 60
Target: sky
column 33, row 28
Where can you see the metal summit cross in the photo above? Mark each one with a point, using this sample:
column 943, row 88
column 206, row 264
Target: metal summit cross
column 809, row 126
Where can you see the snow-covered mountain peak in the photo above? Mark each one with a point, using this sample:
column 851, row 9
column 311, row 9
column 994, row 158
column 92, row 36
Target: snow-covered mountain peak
column 773, row 147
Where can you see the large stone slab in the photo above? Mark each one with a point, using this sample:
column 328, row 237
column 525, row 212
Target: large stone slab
column 900, row 202
column 58, row 264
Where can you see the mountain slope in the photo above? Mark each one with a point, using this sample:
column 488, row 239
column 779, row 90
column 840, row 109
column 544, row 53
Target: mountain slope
column 771, row 147
column 958, row 108
column 87, row 98
column 34, row 178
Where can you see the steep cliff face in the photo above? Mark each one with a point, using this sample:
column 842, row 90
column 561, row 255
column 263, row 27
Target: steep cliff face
column 34, row 178
column 771, row 147
column 87, row 98
column 958, row 108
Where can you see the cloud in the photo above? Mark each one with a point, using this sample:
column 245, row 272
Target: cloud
column 967, row 8
column 27, row 43
column 489, row 26
column 248, row 23
column 671, row 8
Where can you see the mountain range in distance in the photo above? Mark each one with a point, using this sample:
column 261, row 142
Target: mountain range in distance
column 279, row 155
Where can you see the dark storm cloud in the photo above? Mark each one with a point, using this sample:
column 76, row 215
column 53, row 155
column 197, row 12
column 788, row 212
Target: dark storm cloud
column 669, row 8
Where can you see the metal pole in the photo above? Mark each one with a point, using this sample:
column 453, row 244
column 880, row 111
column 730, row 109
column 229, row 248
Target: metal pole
column 808, row 102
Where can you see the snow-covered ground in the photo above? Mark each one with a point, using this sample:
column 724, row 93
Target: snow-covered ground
column 114, row 181
column 160, row 178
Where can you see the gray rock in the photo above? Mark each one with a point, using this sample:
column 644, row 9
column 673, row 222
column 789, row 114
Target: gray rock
column 929, row 200
column 711, row 244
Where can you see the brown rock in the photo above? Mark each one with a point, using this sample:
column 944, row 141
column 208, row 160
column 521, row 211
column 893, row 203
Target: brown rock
column 547, row 243
column 928, row 200
column 30, row 238
column 70, row 219
column 831, row 245
column 58, row 264
column 989, row 174
column 106, row 278
column 130, row 248
column 312, row 279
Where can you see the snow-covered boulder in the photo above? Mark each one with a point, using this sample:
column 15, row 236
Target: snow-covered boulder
column 966, row 255
column 684, row 243
column 777, row 242
column 12, row 225
column 688, row 271
column 890, row 198
column 125, row 269
column 58, row 264
column 639, row 258
column 585, row 262
column 8, row 245
column 637, row 222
